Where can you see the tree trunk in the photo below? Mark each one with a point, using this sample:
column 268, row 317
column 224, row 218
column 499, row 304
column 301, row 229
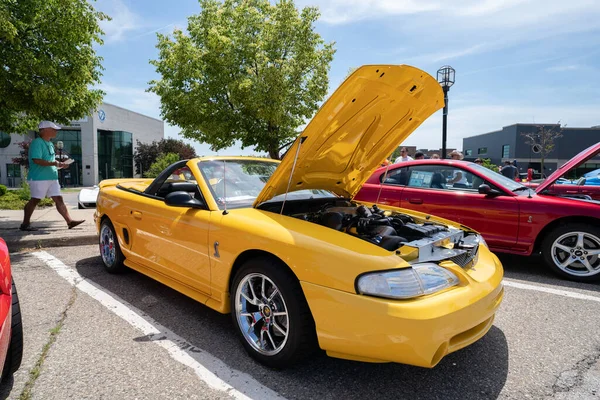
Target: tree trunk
column 274, row 151
column 274, row 145
column 542, row 167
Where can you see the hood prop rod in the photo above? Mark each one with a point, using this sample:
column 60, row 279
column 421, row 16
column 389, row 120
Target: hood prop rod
column 387, row 167
column 302, row 139
column 224, row 192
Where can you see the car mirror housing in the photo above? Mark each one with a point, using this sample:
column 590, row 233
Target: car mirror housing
column 484, row 189
column 183, row 199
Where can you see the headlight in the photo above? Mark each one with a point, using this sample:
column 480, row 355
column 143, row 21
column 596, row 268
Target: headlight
column 419, row 280
column 482, row 241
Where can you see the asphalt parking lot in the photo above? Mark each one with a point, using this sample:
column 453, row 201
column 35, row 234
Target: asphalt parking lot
column 128, row 337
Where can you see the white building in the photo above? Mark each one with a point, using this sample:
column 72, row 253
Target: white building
column 101, row 144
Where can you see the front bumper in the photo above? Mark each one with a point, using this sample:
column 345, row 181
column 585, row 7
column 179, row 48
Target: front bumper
column 420, row 331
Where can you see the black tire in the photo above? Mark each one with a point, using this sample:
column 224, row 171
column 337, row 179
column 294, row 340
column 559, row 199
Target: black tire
column 568, row 234
column 116, row 266
column 79, row 206
column 14, row 356
column 301, row 337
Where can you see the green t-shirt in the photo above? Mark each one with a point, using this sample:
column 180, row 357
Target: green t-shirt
column 44, row 150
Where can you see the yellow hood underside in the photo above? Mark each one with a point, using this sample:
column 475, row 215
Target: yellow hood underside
column 358, row 127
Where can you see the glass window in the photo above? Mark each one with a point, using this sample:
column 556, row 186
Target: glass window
column 115, row 154
column 497, row 177
column 398, row 176
column 4, row 140
column 469, row 152
column 506, row 151
column 71, row 140
column 442, row 177
column 237, row 183
column 13, row 174
column 482, row 150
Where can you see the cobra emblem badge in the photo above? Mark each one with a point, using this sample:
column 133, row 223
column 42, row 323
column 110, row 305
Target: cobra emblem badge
column 216, row 245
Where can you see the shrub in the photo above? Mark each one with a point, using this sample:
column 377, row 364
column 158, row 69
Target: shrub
column 16, row 199
column 162, row 162
column 2, row 190
column 24, row 193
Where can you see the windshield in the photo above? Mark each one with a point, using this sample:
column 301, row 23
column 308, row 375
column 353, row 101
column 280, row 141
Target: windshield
column 497, row 177
column 237, row 183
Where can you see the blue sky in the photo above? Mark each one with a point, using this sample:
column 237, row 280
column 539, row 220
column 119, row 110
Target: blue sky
column 529, row 61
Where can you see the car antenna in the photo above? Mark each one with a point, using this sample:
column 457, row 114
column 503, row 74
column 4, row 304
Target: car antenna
column 387, row 167
column 224, row 192
column 302, row 139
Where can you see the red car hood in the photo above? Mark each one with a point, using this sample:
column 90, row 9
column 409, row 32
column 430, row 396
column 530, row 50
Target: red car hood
column 574, row 162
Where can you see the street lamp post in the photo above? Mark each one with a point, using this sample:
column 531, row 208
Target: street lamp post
column 445, row 77
column 60, row 146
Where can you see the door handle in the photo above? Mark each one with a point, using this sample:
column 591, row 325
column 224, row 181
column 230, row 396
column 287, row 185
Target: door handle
column 571, row 191
column 415, row 201
column 136, row 214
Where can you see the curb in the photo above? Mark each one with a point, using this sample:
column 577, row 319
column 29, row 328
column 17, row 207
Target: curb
column 19, row 243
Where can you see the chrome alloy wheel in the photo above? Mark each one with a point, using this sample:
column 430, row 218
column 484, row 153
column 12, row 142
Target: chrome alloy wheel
column 577, row 253
column 107, row 246
column 262, row 314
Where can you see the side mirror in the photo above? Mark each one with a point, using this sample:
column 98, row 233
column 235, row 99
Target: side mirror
column 183, row 199
column 484, row 189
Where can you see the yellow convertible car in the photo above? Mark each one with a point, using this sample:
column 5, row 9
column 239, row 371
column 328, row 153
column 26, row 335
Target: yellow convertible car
column 298, row 264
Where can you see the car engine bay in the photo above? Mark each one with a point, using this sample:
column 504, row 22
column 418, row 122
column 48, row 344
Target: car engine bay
column 413, row 239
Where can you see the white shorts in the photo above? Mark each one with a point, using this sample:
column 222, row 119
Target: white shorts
column 41, row 189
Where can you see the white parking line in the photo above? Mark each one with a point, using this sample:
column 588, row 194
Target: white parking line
column 559, row 292
column 208, row 368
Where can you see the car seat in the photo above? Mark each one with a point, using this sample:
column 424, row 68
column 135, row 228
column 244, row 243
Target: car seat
column 438, row 181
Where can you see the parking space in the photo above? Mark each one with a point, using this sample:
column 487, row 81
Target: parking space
column 542, row 345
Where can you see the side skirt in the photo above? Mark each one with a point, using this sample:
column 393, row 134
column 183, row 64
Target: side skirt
column 180, row 287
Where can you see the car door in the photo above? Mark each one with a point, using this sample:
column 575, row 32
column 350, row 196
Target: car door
column 431, row 190
column 386, row 188
column 173, row 240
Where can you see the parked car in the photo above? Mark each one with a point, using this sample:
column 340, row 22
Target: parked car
column 297, row 263
column 512, row 217
column 11, row 329
column 588, row 186
column 87, row 197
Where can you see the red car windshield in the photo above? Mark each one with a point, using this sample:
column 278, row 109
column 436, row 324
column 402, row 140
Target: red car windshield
column 497, row 177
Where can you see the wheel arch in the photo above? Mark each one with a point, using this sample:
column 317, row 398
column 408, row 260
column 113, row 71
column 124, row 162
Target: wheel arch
column 249, row 255
column 539, row 240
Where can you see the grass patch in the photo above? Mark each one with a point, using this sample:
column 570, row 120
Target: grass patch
column 16, row 200
column 37, row 368
column 70, row 190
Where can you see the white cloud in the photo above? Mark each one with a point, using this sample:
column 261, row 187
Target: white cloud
column 344, row 11
column 123, row 20
column 471, row 120
column 498, row 12
column 124, row 23
column 563, row 68
column 135, row 99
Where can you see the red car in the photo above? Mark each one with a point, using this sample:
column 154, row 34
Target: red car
column 513, row 218
column 11, row 330
column 578, row 188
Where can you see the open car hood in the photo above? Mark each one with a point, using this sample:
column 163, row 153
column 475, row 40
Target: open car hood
column 574, row 162
column 364, row 120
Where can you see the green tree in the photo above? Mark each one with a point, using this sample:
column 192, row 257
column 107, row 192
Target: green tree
column 488, row 164
column 162, row 162
column 542, row 140
column 47, row 61
column 147, row 153
column 246, row 71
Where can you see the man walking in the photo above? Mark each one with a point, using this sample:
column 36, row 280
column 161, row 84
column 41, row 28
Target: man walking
column 43, row 176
